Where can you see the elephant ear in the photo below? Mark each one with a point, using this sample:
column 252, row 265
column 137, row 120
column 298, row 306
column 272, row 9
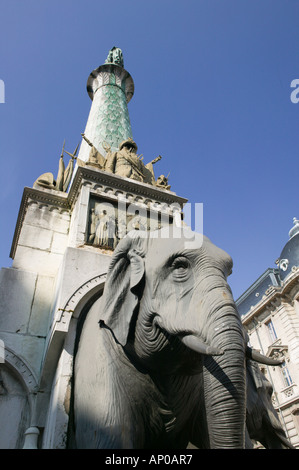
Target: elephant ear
column 123, row 287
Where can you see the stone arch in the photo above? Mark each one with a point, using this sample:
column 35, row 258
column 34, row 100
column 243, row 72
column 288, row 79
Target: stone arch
column 56, row 426
column 18, row 389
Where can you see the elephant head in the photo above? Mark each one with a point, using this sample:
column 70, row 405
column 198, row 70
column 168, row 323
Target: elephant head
column 168, row 356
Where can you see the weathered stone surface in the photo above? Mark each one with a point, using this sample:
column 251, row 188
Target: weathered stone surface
column 77, row 268
column 41, row 306
column 16, row 292
column 41, row 262
column 38, row 239
column 14, row 409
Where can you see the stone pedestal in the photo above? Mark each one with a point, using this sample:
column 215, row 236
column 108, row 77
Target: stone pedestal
column 57, row 270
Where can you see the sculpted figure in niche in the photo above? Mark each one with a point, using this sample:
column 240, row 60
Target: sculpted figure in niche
column 112, row 240
column 137, row 223
column 121, row 228
column 101, row 234
column 92, row 228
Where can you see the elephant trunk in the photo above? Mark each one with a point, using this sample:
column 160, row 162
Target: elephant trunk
column 225, row 381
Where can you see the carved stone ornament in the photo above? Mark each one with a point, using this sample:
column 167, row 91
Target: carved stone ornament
column 115, row 56
column 125, row 162
column 109, row 223
column 283, row 264
column 64, row 176
column 278, row 352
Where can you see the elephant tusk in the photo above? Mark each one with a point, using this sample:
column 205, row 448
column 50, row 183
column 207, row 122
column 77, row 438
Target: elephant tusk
column 199, row 346
column 256, row 356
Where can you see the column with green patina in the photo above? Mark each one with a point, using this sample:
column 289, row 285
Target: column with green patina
column 110, row 88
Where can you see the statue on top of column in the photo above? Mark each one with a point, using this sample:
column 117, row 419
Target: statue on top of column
column 115, row 56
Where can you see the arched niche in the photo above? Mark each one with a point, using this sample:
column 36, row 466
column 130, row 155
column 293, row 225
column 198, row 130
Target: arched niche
column 56, row 379
column 18, row 388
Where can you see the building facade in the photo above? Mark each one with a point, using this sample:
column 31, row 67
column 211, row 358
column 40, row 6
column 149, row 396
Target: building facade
column 269, row 309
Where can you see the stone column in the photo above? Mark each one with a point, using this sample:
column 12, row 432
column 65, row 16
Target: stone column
column 110, row 88
column 31, row 437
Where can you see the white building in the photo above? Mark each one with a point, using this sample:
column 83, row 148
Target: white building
column 270, row 313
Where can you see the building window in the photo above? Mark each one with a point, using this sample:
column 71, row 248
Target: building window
column 286, row 376
column 271, row 330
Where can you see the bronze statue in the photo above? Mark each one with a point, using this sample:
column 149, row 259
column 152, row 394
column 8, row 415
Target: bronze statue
column 115, row 56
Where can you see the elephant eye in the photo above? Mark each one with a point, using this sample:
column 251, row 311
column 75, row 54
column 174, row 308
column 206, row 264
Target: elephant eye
column 180, row 266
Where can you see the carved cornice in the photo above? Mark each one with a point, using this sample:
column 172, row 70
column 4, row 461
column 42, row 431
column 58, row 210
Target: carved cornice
column 92, row 176
column 277, row 351
column 123, row 184
column 45, row 196
column 101, row 77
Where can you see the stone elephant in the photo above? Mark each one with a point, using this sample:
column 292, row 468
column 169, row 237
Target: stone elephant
column 161, row 359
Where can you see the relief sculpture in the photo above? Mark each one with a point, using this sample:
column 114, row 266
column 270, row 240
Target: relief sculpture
column 108, row 223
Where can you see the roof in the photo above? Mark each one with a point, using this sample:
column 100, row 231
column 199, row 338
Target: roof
column 257, row 290
column 287, row 263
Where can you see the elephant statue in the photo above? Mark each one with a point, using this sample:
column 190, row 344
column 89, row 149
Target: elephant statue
column 262, row 420
column 161, row 356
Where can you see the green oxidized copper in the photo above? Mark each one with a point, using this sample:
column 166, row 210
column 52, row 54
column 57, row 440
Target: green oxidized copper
column 113, row 122
column 115, row 56
column 110, row 87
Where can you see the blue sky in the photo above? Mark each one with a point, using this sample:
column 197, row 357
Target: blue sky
column 212, row 96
